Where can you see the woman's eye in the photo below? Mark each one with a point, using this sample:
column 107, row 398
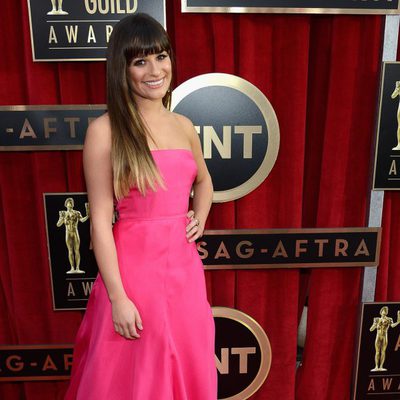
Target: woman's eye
column 137, row 63
column 162, row 56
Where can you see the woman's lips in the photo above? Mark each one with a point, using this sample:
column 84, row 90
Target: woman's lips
column 155, row 84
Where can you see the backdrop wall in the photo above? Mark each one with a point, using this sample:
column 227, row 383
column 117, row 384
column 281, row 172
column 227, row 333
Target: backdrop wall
column 321, row 75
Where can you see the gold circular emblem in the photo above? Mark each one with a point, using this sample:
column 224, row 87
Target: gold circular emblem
column 264, row 346
column 257, row 98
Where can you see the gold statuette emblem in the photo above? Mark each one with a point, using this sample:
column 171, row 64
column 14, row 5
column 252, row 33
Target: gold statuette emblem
column 395, row 94
column 57, row 8
column 381, row 325
column 71, row 219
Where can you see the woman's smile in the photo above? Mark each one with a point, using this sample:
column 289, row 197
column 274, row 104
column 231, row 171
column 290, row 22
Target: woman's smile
column 155, row 84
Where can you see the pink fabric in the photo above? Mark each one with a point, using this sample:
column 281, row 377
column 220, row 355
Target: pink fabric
column 163, row 275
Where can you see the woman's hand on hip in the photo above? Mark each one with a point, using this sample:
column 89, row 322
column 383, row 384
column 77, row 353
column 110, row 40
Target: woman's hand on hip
column 126, row 318
column 194, row 228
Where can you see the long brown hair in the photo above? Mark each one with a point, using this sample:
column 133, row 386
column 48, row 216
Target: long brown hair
column 134, row 36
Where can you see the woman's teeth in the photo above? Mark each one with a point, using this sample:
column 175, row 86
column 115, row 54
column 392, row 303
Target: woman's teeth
column 155, row 83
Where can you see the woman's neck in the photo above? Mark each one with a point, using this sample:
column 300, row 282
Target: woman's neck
column 150, row 109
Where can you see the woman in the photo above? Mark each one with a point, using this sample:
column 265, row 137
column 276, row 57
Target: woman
column 148, row 332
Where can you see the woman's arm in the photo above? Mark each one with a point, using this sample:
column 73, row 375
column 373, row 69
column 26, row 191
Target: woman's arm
column 202, row 187
column 99, row 183
column 202, row 193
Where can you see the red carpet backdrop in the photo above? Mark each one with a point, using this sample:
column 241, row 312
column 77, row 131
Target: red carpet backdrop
column 321, row 74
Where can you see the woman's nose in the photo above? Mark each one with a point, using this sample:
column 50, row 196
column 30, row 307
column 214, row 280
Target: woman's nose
column 155, row 68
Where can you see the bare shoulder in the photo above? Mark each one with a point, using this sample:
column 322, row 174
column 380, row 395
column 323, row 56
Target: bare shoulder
column 97, row 145
column 187, row 126
column 186, row 123
column 99, row 131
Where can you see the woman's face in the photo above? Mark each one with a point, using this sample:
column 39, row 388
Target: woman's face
column 150, row 75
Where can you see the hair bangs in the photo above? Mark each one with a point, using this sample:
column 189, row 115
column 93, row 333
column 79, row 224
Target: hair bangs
column 145, row 41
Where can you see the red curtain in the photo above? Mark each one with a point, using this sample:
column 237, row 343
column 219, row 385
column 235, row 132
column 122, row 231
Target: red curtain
column 387, row 288
column 321, row 75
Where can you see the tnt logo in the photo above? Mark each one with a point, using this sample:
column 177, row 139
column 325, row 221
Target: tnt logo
column 238, row 130
column 242, row 354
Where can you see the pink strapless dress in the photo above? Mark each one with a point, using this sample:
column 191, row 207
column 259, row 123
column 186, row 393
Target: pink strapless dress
column 163, row 275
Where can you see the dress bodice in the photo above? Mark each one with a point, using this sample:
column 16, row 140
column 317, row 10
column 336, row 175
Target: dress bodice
column 178, row 170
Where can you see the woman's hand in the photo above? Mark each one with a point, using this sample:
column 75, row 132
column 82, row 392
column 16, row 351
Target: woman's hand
column 194, row 228
column 126, row 318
